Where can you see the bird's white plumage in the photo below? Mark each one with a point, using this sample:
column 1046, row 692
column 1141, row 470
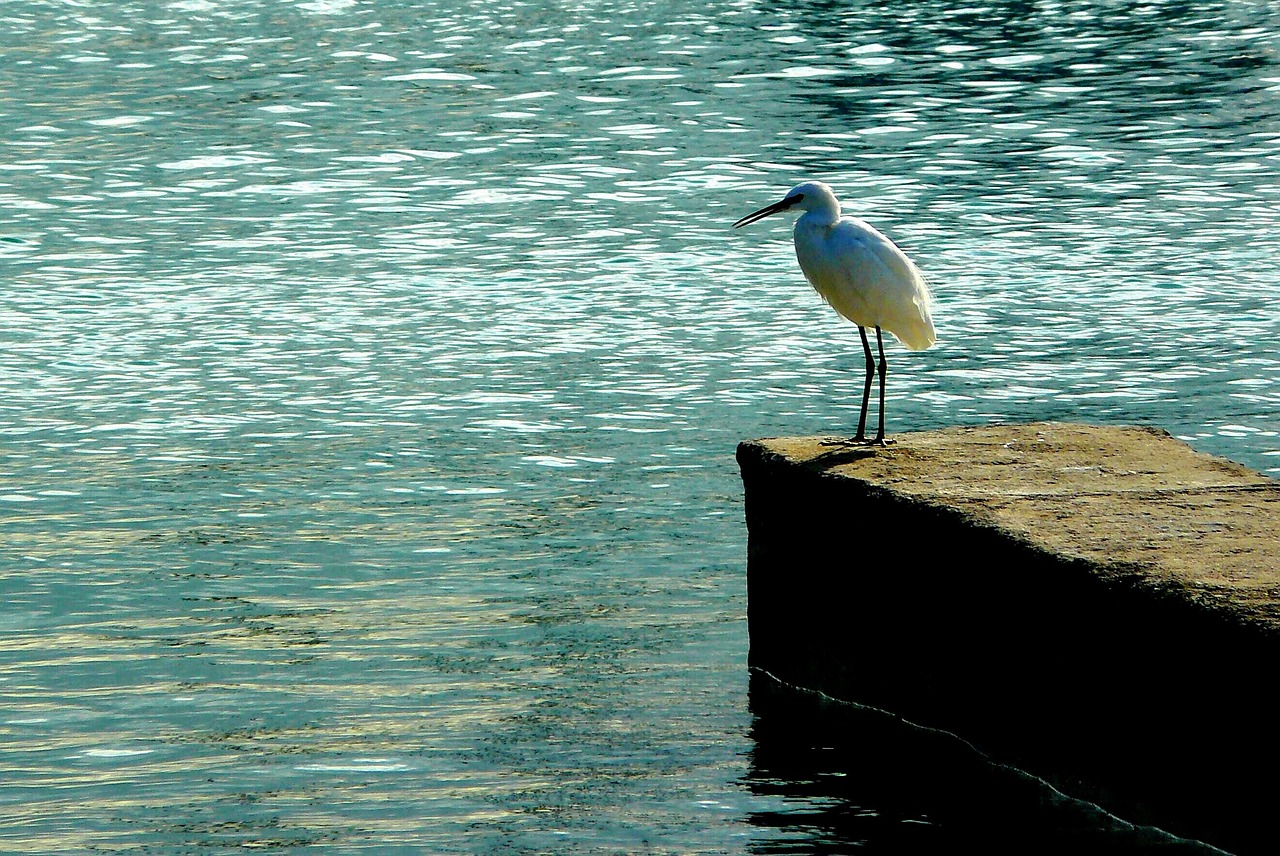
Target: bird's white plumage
column 859, row 271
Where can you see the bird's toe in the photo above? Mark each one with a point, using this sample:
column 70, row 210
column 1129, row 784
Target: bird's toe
column 855, row 441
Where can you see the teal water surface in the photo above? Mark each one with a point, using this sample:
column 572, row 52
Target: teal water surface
column 370, row 375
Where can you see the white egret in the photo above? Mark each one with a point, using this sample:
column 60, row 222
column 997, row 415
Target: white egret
column 862, row 274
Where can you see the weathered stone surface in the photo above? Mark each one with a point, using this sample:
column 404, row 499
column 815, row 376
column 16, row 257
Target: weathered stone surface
column 1098, row 605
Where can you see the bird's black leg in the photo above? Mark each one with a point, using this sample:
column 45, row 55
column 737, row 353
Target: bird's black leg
column 861, row 436
column 880, row 345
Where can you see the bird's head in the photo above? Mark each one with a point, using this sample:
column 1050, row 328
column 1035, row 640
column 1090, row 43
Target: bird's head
column 810, row 196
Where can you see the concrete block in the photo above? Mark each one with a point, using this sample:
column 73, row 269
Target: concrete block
column 1099, row 606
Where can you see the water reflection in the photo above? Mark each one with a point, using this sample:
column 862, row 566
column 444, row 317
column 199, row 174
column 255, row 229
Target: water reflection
column 859, row 778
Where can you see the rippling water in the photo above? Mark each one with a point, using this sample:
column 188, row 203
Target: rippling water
column 371, row 374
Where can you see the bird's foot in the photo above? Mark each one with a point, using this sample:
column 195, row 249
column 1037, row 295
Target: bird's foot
column 857, row 441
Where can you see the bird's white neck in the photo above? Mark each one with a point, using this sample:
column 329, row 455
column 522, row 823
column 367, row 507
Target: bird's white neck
column 820, row 210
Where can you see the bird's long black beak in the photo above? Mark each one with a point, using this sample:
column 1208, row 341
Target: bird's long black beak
column 782, row 205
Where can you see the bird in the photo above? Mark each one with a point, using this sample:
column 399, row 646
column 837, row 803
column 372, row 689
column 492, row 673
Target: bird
column 862, row 275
